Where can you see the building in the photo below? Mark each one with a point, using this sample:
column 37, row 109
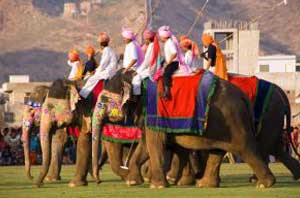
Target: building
column 15, row 93
column 239, row 41
column 277, row 63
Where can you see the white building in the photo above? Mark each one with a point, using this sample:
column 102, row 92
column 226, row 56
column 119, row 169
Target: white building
column 277, row 63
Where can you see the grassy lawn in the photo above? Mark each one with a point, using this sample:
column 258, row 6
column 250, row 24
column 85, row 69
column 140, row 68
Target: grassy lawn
column 13, row 183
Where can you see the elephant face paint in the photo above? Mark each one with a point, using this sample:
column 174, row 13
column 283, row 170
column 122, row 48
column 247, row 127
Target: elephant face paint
column 31, row 116
column 114, row 111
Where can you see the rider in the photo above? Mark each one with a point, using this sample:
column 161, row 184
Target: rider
column 91, row 65
column 191, row 52
column 107, row 67
column 173, row 58
column 151, row 41
column 133, row 54
column 75, row 64
column 216, row 61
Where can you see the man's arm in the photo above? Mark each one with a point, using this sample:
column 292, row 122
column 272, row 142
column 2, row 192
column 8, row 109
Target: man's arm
column 130, row 65
column 208, row 64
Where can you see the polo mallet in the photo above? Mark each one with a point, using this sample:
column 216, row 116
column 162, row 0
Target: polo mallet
column 199, row 14
column 125, row 166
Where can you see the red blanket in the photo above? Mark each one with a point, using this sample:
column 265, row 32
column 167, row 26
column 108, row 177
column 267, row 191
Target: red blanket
column 247, row 84
column 183, row 97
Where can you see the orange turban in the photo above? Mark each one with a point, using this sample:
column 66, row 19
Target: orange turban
column 73, row 55
column 207, row 39
column 103, row 37
column 90, row 50
column 186, row 42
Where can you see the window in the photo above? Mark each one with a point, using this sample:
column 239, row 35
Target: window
column 228, row 43
column 297, row 68
column 9, row 117
column 264, row 68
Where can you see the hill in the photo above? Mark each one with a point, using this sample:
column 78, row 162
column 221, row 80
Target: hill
column 34, row 38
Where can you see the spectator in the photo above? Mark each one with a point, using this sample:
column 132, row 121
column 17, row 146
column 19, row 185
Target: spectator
column 34, row 149
column 295, row 141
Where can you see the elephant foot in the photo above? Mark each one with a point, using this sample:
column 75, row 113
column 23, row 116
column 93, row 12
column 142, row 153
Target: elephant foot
column 296, row 176
column 146, row 179
column 171, row 180
column 153, row 186
column 266, row 182
column 52, row 179
column 253, row 179
column 29, row 177
column 133, row 183
column 208, row 183
column 74, row 183
column 186, row 180
column 39, row 184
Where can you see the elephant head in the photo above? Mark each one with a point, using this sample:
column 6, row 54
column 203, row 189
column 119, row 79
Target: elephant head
column 31, row 120
column 57, row 112
column 112, row 105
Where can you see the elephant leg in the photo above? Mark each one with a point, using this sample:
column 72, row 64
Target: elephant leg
column 156, row 147
column 198, row 161
column 83, row 159
column 211, row 176
column 139, row 157
column 115, row 154
column 172, row 174
column 289, row 162
column 59, row 139
column 146, row 171
column 263, row 173
column 188, row 175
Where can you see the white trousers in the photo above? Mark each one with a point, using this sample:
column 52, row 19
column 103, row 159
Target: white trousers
column 137, row 81
column 91, row 83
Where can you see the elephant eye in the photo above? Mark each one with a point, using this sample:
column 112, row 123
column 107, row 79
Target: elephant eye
column 104, row 99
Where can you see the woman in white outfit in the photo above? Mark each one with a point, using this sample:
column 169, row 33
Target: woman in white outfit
column 144, row 70
column 191, row 52
column 106, row 69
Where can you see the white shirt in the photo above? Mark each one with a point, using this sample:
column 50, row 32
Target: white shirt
column 169, row 50
column 74, row 69
column 147, row 60
column 108, row 64
column 131, row 53
column 188, row 58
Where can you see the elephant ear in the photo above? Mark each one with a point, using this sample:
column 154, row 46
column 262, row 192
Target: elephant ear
column 74, row 97
column 126, row 92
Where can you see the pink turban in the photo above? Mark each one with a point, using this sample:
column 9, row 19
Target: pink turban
column 148, row 34
column 103, row 37
column 164, row 32
column 128, row 33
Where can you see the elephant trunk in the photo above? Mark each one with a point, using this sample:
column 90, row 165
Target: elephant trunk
column 26, row 142
column 96, row 128
column 46, row 138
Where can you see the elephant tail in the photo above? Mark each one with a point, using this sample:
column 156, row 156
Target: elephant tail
column 287, row 113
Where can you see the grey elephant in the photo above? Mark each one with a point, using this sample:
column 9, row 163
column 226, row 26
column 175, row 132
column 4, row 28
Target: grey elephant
column 31, row 122
column 229, row 127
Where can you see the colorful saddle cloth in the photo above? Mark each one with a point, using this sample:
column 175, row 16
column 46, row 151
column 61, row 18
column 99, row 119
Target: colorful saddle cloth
column 259, row 92
column 121, row 132
column 186, row 112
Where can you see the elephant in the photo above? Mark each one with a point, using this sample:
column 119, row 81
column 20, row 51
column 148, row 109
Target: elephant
column 63, row 108
column 31, row 122
column 230, row 127
column 268, row 137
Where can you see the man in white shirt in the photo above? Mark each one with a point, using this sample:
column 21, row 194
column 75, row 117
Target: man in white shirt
column 171, row 58
column 144, row 69
column 133, row 55
column 107, row 67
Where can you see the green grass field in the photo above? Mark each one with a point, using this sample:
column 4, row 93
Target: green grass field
column 13, row 183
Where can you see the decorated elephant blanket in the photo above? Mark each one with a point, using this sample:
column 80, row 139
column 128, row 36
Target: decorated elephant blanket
column 259, row 92
column 121, row 132
column 187, row 110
